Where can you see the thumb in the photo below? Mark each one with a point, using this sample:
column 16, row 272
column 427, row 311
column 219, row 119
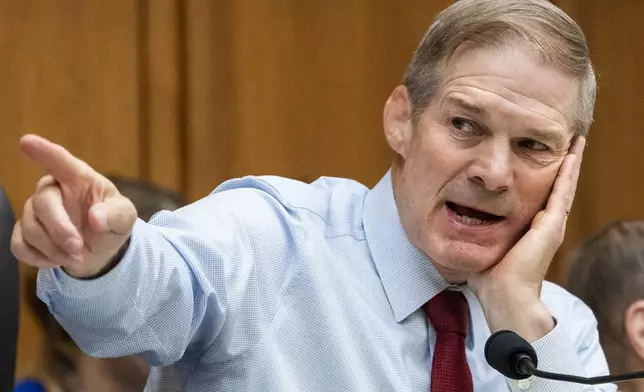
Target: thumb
column 114, row 215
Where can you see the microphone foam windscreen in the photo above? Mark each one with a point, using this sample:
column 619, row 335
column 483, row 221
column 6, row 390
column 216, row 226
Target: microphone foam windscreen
column 502, row 350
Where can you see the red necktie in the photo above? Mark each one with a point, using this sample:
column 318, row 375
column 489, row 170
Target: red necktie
column 448, row 313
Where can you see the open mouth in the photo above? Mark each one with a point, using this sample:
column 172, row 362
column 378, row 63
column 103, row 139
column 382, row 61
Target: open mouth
column 471, row 216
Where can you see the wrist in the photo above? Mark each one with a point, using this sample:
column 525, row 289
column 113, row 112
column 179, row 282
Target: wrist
column 103, row 269
column 523, row 313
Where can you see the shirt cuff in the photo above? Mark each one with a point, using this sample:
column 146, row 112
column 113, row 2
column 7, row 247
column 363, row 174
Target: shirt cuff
column 57, row 280
column 555, row 354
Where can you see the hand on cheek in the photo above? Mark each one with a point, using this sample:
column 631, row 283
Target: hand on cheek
column 509, row 292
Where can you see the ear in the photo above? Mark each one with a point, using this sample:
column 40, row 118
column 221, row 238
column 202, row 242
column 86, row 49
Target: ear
column 634, row 323
column 397, row 121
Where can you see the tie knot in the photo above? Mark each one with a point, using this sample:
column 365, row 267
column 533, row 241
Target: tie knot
column 448, row 312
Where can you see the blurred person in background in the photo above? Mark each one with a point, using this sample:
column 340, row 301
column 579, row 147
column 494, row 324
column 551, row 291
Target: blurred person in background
column 607, row 273
column 67, row 369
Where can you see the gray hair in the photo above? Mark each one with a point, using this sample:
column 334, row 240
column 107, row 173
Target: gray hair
column 557, row 39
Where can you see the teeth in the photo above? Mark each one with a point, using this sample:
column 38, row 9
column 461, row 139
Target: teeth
column 468, row 220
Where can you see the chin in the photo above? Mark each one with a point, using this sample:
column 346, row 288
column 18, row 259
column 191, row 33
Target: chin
column 457, row 260
column 464, row 249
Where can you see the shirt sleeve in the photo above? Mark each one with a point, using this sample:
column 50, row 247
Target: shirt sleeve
column 568, row 349
column 214, row 266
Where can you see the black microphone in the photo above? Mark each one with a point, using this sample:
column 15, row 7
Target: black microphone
column 515, row 358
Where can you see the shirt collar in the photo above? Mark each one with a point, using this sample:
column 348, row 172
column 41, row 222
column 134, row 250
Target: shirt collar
column 407, row 275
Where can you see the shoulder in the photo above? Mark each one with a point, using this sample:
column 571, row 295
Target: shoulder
column 335, row 203
column 564, row 304
column 571, row 312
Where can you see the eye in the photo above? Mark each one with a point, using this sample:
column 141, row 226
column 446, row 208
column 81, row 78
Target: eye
column 463, row 125
column 531, row 144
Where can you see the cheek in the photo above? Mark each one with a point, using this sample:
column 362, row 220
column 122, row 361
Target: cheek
column 535, row 190
column 433, row 162
column 423, row 178
column 417, row 197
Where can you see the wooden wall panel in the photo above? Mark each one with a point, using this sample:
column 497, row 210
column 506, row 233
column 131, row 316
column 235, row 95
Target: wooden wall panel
column 294, row 88
column 211, row 94
column 612, row 181
column 69, row 72
column 163, row 105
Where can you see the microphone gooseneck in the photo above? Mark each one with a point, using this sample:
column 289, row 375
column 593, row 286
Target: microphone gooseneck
column 511, row 355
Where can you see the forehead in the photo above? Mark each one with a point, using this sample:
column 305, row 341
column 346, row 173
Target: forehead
column 513, row 77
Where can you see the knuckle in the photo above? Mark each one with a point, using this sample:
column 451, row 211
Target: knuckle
column 132, row 213
column 18, row 248
column 28, row 228
column 57, row 235
column 567, row 201
column 29, row 239
column 19, row 252
column 34, row 235
column 28, row 207
column 43, row 201
column 87, row 174
column 44, row 182
column 560, row 240
column 14, row 244
column 561, row 235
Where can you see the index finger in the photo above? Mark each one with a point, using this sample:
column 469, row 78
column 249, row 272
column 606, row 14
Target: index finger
column 578, row 150
column 563, row 191
column 577, row 147
column 55, row 159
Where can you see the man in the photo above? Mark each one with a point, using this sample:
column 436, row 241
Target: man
column 269, row 284
column 607, row 272
column 65, row 368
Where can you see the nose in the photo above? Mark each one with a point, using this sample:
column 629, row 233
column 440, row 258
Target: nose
column 492, row 167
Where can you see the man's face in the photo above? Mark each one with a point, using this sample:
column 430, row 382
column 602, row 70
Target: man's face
column 481, row 161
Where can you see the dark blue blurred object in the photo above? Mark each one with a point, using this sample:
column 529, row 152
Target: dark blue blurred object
column 29, row 386
column 10, row 296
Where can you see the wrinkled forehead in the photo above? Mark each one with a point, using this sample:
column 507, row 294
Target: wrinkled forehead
column 516, row 71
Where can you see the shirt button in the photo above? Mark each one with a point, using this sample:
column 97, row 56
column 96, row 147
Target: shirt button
column 525, row 383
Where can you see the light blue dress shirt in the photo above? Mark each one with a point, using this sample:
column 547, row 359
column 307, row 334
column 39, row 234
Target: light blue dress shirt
column 269, row 284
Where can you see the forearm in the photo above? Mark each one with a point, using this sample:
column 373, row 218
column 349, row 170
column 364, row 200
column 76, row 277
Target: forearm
column 128, row 310
column 523, row 312
column 517, row 311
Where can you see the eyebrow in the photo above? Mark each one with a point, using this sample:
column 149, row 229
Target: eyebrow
column 539, row 134
column 470, row 107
